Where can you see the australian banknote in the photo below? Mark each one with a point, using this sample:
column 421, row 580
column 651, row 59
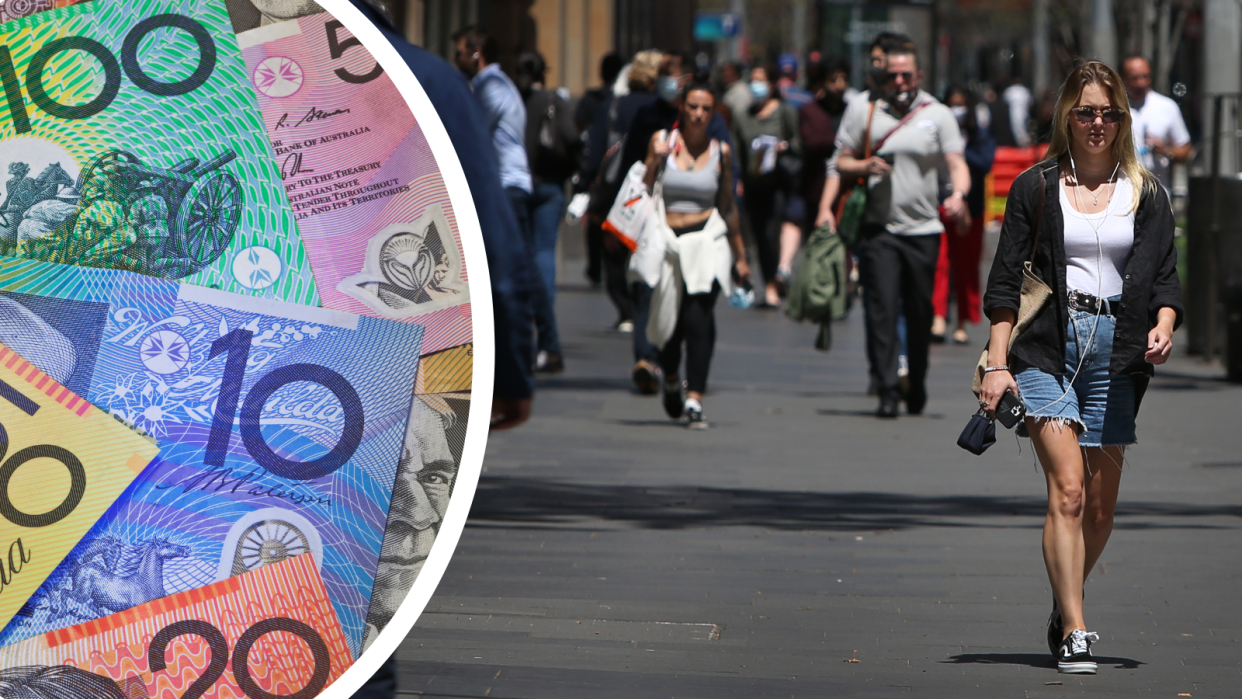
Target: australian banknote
column 64, row 462
column 373, row 210
column 281, row 429
column 130, row 139
column 16, row 9
column 430, row 461
column 270, row 632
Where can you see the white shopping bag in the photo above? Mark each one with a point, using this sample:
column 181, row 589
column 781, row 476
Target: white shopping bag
column 631, row 208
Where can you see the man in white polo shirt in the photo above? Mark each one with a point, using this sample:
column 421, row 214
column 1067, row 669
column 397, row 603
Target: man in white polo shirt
column 901, row 228
column 1160, row 133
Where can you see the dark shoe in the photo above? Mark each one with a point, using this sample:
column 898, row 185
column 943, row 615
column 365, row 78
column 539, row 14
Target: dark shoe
column 646, row 378
column 674, row 398
column 1056, row 630
column 888, row 405
column 916, row 399
column 546, row 363
column 936, row 338
column 1074, row 654
column 960, row 337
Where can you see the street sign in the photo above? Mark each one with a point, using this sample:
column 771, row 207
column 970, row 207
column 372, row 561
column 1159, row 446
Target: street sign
column 716, row 26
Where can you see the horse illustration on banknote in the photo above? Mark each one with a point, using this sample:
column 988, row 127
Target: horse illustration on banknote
column 97, row 579
column 123, row 214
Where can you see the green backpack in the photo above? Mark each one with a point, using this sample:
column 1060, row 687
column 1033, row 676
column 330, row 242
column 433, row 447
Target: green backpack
column 819, row 291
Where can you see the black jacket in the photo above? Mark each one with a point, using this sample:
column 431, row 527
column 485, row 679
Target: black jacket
column 1149, row 282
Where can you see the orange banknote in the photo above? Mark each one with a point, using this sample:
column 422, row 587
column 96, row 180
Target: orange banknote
column 268, row 633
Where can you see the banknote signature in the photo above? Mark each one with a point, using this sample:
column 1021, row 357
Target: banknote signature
column 217, row 479
column 315, row 114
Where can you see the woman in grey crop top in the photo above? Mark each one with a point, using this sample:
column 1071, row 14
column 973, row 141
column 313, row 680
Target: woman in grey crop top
column 697, row 183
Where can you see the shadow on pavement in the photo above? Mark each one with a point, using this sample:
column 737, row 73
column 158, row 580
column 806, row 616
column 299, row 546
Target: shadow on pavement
column 502, row 500
column 1039, row 660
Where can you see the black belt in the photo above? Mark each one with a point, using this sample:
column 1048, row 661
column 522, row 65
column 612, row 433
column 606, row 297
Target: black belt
column 1082, row 301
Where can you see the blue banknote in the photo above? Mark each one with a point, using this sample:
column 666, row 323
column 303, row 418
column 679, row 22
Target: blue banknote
column 280, row 427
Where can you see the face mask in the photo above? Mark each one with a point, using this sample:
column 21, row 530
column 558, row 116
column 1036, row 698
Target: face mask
column 902, row 99
column 666, row 88
column 759, row 90
column 959, row 111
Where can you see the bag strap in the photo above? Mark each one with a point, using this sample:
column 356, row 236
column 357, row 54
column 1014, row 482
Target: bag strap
column 904, row 120
column 1039, row 213
column 867, row 139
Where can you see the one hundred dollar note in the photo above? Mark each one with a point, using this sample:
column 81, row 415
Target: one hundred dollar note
column 280, row 426
column 270, row 632
column 16, row 9
column 64, row 461
column 130, row 139
column 371, row 204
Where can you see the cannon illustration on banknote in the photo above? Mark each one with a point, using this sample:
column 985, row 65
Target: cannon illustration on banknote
column 123, row 214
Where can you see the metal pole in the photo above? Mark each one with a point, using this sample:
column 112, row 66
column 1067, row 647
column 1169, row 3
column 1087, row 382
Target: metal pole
column 1213, row 282
column 1042, row 55
column 1104, row 34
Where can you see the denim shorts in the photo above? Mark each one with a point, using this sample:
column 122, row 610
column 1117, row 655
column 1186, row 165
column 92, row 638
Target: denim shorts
column 1099, row 406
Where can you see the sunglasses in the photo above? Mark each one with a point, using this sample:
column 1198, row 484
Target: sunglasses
column 1087, row 115
column 908, row 76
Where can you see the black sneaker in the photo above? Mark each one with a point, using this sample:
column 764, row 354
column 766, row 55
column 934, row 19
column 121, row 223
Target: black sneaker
column 674, row 398
column 1074, row 656
column 1056, row 630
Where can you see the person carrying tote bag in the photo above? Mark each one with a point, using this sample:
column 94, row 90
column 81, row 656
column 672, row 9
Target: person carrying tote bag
column 1104, row 246
column 696, row 221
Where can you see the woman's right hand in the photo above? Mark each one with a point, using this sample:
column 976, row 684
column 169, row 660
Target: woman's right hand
column 995, row 383
column 660, row 147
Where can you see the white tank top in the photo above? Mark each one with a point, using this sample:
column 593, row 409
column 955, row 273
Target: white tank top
column 1086, row 270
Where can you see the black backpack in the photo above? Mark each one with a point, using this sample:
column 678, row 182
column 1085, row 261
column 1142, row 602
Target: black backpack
column 551, row 136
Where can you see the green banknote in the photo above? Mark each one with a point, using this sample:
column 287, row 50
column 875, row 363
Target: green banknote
column 130, row 138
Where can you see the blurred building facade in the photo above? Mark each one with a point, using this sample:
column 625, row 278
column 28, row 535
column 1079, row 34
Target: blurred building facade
column 572, row 35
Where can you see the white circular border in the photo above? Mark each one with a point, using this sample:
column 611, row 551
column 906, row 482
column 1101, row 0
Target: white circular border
column 484, row 350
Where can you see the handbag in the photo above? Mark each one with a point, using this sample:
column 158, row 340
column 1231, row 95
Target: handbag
column 634, row 204
column 980, row 433
column 1034, row 294
column 855, row 207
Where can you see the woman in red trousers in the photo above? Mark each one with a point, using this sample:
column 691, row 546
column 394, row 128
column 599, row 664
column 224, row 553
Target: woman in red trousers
column 962, row 241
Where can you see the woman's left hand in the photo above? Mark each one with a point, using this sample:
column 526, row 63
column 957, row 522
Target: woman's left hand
column 1159, row 344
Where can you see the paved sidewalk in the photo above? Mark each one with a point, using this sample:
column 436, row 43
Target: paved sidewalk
column 802, row 548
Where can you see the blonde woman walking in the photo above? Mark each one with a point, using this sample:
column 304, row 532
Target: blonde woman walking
column 1104, row 244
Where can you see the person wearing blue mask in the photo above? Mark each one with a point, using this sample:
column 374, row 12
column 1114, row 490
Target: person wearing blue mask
column 768, row 139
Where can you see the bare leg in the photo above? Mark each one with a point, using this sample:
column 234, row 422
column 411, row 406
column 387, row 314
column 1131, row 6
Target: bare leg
column 1064, row 548
column 1103, row 480
column 791, row 240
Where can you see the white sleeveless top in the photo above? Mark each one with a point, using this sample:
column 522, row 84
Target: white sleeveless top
column 1086, row 268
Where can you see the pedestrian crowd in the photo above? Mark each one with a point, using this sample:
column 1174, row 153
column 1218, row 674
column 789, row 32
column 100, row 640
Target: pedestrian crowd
column 678, row 174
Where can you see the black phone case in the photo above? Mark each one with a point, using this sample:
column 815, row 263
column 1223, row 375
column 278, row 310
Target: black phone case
column 1010, row 410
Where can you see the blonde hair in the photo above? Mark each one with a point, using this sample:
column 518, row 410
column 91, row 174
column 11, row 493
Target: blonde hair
column 1097, row 73
column 644, row 69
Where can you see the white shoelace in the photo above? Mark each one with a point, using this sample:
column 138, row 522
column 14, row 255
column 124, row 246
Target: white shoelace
column 1080, row 641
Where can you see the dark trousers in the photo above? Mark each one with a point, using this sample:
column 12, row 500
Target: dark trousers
column 765, row 209
column 640, row 294
column 383, row 684
column 616, row 262
column 540, row 298
column 696, row 326
column 898, row 273
column 594, row 235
